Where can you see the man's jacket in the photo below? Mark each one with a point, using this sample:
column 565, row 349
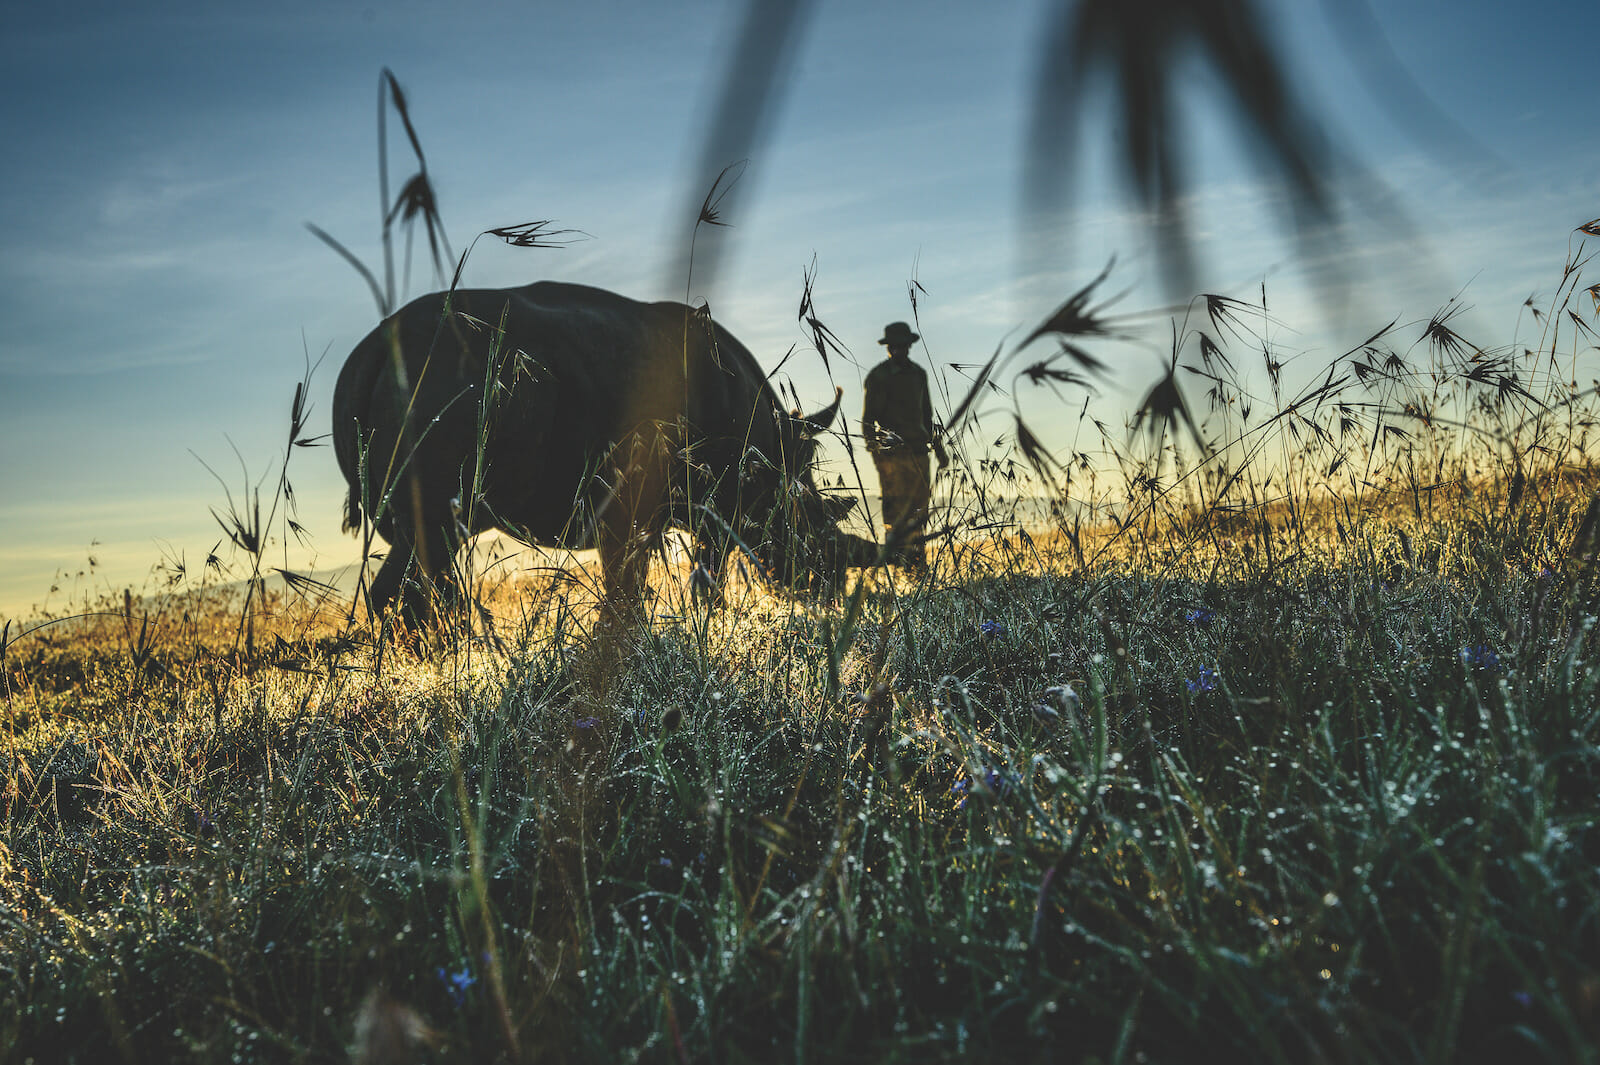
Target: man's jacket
column 898, row 413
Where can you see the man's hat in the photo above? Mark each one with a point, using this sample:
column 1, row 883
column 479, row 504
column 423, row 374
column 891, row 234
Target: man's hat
column 898, row 335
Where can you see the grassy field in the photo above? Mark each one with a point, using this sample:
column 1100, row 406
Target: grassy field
column 1279, row 745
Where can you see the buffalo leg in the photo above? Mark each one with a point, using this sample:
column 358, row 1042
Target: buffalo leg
column 705, row 580
column 386, row 582
column 630, row 527
column 624, row 562
column 417, row 571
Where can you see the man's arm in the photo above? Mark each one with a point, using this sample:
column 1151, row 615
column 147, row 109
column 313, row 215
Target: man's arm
column 933, row 435
column 870, row 413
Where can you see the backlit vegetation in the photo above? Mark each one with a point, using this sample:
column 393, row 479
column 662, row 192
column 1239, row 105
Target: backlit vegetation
column 1274, row 734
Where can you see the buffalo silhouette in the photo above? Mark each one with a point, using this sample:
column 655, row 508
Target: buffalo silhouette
column 574, row 417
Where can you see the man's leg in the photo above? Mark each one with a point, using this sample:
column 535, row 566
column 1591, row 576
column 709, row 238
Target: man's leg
column 917, row 512
column 904, row 481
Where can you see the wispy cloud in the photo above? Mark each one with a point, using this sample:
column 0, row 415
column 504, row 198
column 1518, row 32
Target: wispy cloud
column 154, row 200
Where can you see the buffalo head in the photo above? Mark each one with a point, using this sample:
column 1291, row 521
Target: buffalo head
column 796, row 527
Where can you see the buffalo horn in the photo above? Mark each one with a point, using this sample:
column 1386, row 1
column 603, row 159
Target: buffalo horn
column 820, row 421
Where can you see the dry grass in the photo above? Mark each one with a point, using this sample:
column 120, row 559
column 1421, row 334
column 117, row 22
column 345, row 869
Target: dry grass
column 1277, row 739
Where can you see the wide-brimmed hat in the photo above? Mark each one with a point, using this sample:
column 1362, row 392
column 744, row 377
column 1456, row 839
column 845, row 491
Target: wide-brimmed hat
column 898, row 335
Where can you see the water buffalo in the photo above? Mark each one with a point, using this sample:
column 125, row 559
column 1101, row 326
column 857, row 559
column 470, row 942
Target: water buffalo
column 573, row 417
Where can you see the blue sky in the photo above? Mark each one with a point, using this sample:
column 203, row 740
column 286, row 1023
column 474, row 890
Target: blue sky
column 159, row 293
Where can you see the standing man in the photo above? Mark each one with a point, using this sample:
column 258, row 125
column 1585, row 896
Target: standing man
column 897, row 424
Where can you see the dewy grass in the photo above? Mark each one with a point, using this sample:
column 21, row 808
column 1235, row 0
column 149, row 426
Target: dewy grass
column 1276, row 738
column 1367, row 838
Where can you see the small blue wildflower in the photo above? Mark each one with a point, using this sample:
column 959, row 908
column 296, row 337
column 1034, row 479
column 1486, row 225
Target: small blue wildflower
column 1481, row 656
column 587, row 722
column 1207, row 681
column 201, row 823
column 1523, row 999
column 1201, row 617
column 993, row 778
column 457, row 983
column 1062, row 697
column 993, row 629
column 665, row 862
